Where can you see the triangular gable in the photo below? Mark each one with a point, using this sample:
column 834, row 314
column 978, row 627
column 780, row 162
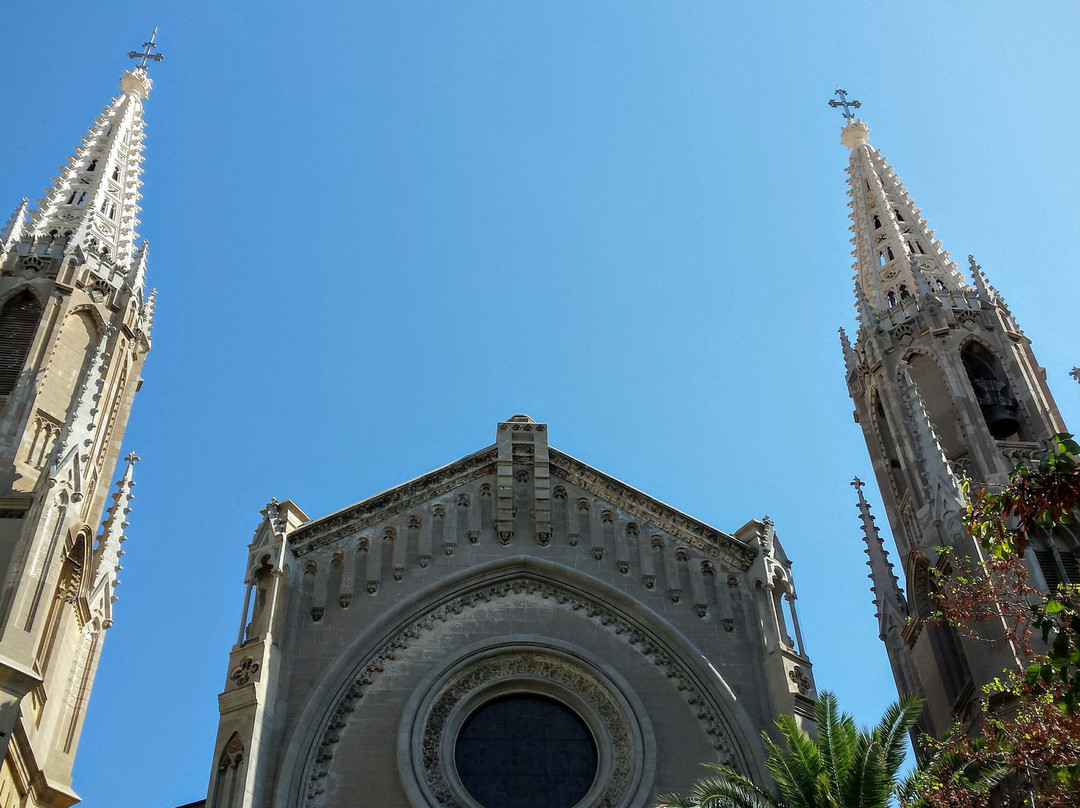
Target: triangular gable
column 563, row 468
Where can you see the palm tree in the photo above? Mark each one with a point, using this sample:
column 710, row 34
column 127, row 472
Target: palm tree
column 844, row 768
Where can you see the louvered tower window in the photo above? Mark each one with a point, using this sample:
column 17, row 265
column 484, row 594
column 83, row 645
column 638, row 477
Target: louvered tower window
column 18, row 321
column 1050, row 569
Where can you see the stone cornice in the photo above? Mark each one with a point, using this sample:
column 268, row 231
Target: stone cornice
column 710, row 541
column 348, row 521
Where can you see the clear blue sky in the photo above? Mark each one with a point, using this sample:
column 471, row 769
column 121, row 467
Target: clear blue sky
column 379, row 228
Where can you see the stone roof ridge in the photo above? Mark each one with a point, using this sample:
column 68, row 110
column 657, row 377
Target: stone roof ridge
column 392, row 500
column 650, row 509
column 413, row 493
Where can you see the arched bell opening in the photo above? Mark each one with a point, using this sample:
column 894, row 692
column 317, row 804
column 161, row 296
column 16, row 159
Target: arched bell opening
column 18, row 323
column 999, row 406
column 940, row 405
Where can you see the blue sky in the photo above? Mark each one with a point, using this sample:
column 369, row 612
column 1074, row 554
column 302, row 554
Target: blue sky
column 377, row 229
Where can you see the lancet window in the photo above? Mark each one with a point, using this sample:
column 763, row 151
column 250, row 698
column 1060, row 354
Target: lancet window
column 18, row 322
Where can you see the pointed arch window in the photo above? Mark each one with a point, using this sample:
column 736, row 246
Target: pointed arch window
column 999, row 406
column 92, row 166
column 889, row 253
column 116, row 173
column 18, row 323
column 228, row 773
column 892, row 299
column 70, row 587
column 877, row 223
column 881, row 258
column 904, row 294
column 899, row 215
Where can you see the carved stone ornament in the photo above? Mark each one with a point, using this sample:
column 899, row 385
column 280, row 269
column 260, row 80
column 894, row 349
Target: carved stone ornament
column 243, row 672
column 530, row 670
column 799, row 678
column 711, row 721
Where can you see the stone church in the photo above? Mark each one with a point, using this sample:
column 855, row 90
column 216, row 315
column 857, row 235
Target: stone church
column 75, row 322
column 514, row 628
column 945, row 385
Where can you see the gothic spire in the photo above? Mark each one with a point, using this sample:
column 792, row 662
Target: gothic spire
column 850, row 361
column 13, row 230
column 894, row 245
column 886, row 587
column 983, row 287
column 94, row 202
column 108, row 553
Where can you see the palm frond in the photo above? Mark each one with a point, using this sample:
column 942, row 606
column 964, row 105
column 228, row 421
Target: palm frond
column 675, row 801
column 837, row 739
column 796, row 768
column 868, row 784
column 727, row 789
column 892, row 731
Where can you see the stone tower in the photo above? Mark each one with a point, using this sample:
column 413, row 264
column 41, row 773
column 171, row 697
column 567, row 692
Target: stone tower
column 513, row 628
column 945, row 384
column 75, row 320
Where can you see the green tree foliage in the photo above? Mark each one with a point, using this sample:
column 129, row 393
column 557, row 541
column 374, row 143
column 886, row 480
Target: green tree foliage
column 844, row 767
column 1029, row 737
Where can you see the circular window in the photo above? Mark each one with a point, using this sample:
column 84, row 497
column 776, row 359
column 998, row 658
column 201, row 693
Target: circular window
column 525, row 751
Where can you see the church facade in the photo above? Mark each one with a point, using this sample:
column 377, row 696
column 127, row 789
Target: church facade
column 945, row 385
column 75, row 323
column 515, row 628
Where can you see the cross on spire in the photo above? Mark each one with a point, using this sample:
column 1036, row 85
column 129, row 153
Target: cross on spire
column 147, row 52
column 857, row 483
column 843, row 102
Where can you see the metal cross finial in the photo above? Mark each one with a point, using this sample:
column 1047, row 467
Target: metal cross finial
column 132, row 458
column 147, row 52
column 1075, row 373
column 843, row 102
column 857, row 483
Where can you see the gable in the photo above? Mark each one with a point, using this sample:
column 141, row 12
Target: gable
column 466, row 484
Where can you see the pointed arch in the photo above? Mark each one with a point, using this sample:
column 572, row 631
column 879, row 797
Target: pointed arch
column 938, row 399
column 993, row 392
column 69, row 360
column 949, row 657
column 887, row 444
column 69, row 609
column 19, row 318
column 227, row 773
